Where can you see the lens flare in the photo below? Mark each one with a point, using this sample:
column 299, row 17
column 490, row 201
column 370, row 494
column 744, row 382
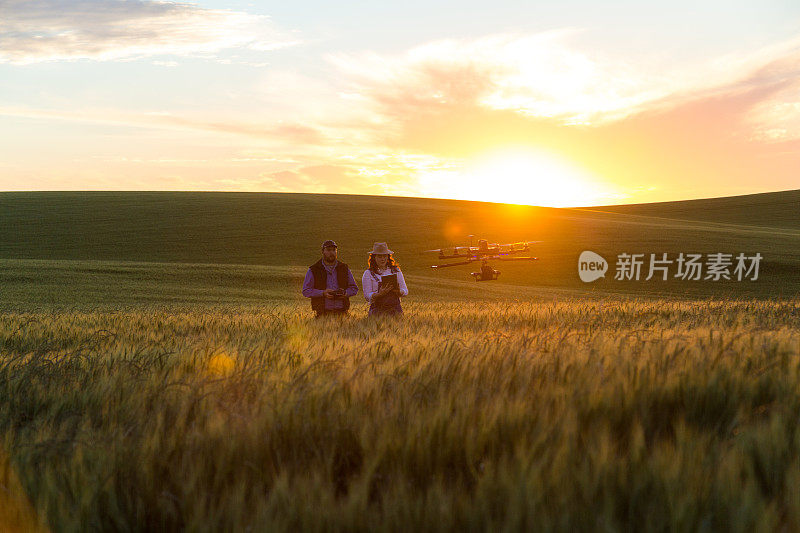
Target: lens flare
column 221, row 364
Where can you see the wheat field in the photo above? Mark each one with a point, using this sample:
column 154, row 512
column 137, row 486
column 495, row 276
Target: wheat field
column 160, row 371
column 605, row 414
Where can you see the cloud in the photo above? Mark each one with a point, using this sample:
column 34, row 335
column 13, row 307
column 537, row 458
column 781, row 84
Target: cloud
column 294, row 181
column 545, row 76
column 288, row 133
column 729, row 123
column 737, row 125
column 45, row 30
column 537, row 75
column 358, row 177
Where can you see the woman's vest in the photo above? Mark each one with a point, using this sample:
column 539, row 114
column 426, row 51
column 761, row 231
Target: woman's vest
column 389, row 304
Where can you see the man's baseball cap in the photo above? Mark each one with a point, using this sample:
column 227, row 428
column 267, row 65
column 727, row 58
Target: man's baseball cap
column 329, row 243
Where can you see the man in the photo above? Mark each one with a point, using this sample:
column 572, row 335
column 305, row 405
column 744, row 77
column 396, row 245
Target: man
column 329, row 283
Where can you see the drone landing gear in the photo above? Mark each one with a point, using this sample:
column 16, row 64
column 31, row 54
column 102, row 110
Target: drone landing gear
column 487, row 273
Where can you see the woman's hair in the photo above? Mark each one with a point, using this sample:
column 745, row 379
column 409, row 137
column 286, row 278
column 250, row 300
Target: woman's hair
column 390, row 263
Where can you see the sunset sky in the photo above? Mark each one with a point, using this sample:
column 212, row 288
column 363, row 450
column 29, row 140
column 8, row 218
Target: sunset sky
column 564, row 104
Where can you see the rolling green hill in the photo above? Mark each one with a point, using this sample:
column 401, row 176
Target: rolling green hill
column 269, row 231
column 773, row 209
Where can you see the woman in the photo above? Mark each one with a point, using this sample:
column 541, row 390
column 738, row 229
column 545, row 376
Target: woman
column 383, row 298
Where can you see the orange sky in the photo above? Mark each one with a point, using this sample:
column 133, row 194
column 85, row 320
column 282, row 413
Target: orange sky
column 549, row 107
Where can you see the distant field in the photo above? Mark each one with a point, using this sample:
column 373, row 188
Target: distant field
column 92, row 285
column 772, row 210
column 285, row 231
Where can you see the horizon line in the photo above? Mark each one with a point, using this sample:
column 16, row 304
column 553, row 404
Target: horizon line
column 211, row 191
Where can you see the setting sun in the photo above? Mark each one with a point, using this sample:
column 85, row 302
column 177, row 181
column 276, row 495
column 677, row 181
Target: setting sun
column 519, row 176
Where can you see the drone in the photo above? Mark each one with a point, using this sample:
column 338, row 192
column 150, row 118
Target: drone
column 484, row 252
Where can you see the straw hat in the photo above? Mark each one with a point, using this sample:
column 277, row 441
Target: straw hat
column 381, row 248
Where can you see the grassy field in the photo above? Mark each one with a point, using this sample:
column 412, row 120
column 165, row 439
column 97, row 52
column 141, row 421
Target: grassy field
column 286, row 230
column 159, row 370
column 612, row 415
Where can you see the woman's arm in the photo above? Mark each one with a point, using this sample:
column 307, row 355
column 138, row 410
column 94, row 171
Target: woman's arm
column 368, row 285
column 401, row 283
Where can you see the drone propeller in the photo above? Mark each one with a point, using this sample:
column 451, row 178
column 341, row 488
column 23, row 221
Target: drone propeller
column 451, row 248
column 503, row 258
column 452, row 264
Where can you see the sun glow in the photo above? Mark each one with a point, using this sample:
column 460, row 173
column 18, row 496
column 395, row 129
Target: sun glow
column 518, row 177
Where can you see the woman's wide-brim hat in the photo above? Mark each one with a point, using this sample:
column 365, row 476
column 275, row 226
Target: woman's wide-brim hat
column 381, row 248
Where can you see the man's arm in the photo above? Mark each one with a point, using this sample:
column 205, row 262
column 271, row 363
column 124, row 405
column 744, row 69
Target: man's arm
column 352, row 288
column 308, row 286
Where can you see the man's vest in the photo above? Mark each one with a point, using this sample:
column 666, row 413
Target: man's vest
column 321, row 283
